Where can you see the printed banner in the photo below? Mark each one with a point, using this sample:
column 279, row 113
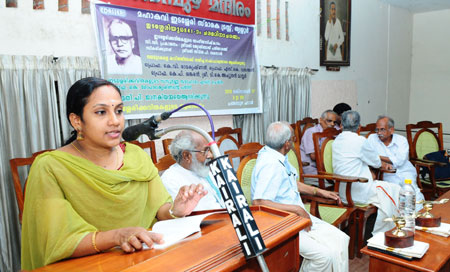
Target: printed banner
column 163, row 60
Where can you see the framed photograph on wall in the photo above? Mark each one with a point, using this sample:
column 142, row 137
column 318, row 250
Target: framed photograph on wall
column 335, row 32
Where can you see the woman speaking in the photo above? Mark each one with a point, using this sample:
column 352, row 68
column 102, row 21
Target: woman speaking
column 95, row 193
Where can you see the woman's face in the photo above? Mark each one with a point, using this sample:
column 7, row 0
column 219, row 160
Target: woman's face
column 103, row 119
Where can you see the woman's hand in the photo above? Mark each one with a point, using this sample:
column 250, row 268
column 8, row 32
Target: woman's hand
column 187, row 199
column 131, row 239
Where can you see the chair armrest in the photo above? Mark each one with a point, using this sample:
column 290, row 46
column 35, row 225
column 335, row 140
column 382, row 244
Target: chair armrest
column 426, row 163
column 391, row 171
column 336, row 177
column 314, row 203
column 318, row 199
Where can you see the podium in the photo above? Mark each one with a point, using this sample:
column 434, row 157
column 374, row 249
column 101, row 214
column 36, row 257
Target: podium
column 215, row 248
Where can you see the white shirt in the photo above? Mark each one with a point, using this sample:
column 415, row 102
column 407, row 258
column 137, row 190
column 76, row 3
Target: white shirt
column 177, row 176
column 275, row 179
column 133, row 65
column 334, row 35
column 352, row 155
column 398, row 152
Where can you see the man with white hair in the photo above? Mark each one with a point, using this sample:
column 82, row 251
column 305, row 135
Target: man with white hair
column 328, row 119
column 352, row 156
column 191, row 152
column 122, row 42
column 393, row 149
column 275, row 184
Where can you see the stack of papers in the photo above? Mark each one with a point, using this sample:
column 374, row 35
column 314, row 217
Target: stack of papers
column 443, row 230
column 174, row 230
column 416, row 251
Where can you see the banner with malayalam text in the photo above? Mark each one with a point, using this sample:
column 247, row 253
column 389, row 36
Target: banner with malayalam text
column 162, row 60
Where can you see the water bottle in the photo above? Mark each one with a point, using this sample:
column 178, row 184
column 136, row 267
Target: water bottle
column 407, row 205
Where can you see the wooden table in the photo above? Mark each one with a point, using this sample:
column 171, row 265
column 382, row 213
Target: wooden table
column 216, row 248
column 437, row 258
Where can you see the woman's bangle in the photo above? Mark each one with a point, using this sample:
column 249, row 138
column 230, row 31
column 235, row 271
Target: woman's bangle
column 93, row 242
column 171, row 212
column 315, row 191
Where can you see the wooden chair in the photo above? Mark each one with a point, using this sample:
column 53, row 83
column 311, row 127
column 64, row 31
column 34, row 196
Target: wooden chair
column 423, row 138
column 243, row 151
column 328, row 210
column 322, row 149
column 165, row 162
column 325, row 167
column 227, row 139
column 296, row 129
column 322, row 208
column 15, row 164
column 150, row 145
column 228, row 132
column 166, row 143
column 244, row 175
column 304, row 124
column 367, row 130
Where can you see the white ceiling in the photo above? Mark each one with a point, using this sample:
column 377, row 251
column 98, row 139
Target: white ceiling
column 416, row 6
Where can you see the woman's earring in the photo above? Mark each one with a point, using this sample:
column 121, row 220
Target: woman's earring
column 80, row 136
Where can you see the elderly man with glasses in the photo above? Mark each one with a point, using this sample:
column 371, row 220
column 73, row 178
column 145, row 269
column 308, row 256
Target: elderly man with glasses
column 275, row 184
column 122, row 42
column 328, row 119
column 191, row 152
column 393, row 150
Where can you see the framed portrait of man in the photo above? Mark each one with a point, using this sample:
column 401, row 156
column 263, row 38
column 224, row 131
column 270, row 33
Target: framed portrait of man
column 335, row 19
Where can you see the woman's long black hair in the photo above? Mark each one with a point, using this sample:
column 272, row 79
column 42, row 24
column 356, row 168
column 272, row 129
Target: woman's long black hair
column 78, row 96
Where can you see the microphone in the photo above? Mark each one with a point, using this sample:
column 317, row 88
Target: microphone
column 147, row 127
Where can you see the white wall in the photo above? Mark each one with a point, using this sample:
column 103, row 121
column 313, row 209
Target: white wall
column 380, row 57
column 399, row 66
column 49, row 32
column 25, row 31
column 430, row 70
column 380, row 49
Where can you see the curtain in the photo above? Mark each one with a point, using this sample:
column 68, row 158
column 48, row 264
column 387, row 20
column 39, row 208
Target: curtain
column 67, row 70
column 286, row 94
column 32, row 118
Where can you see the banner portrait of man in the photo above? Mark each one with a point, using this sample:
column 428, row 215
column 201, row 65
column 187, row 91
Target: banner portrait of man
column 123, row 56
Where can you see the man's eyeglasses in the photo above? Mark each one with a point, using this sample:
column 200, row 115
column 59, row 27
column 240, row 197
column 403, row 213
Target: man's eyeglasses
column 382, row 130
column 203, row 152
column 331, row 121
column 122, row 39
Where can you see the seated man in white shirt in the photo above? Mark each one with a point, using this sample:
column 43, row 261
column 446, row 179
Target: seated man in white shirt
column 275, row 184
column 394, row 150
column 352, row 155
column 191, row 152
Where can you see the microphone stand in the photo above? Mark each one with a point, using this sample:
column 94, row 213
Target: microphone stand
column 216, row 154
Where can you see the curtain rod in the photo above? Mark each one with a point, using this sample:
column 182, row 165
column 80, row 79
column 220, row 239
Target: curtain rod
column 311, row 71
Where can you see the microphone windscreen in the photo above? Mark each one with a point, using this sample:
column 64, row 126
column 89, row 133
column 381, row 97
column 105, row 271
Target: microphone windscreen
column 133, row 132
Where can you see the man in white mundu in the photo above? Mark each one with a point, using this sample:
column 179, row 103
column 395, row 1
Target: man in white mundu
column 334, row 36
column 352, row 155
